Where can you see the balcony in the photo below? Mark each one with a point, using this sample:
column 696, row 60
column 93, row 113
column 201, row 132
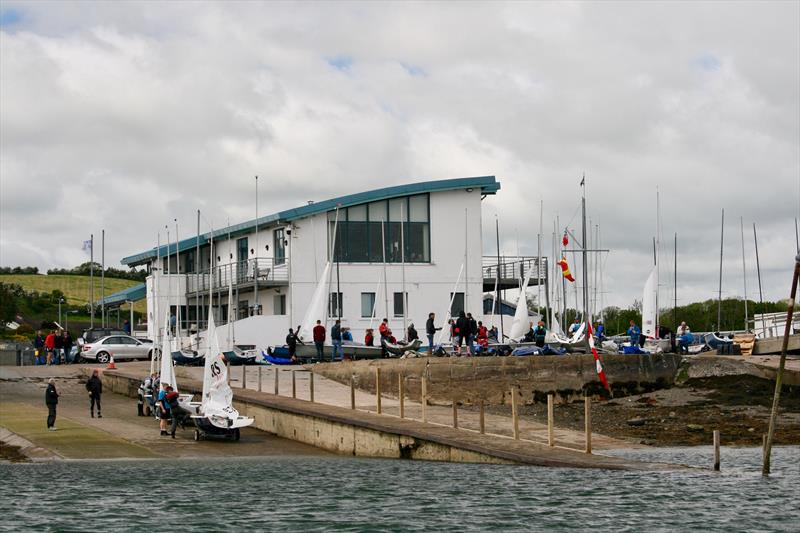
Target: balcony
column 241, row 275
column 512, row 270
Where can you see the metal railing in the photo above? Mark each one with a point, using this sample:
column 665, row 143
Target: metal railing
column 264, row 270
column 513, row 267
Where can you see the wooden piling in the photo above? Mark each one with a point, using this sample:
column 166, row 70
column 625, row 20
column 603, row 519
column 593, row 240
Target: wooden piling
column 716, row 450
column 244, row 376
column 514, row 413
column 424, row 398
column 352, row 391
column 311, row 386
column 294, row 383
column 401, row 394
column 276, row 381
column 455, row 414
column 378, row 389
column 482, row 419
column 587, row 415
column 551, row 441
column 259, row 378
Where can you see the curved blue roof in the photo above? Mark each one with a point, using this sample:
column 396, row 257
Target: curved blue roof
column 131, row 294
column 487, row 185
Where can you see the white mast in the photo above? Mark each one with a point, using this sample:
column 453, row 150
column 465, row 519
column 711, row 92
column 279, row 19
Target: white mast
column 178, row 289
column 403, row 270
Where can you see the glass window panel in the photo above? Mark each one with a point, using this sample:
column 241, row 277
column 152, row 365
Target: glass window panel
column 367, row 304
column 396, row 207
column 417, row 242
column 375, row 242
column 398, row 303
column 377, row 211
column 418, row 208
column 279, row 304
column 393, row 242
column 357, row 242
column 335, row 306
column 279, row 247
column 357, row 213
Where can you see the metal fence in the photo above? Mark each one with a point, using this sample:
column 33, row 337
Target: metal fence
column 513, row 267
column 263, row 270
column 16, row 354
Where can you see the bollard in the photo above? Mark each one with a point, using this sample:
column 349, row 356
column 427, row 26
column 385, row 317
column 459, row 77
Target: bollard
column 378, row 389
column 455, row 414
column 294, row 384
column 259, row 378
column 550, row 438
column 587, row 413
column 311, row 386
column 482, row 420
column 244, row 376
column 514, row 414
column 352, row 391
column 276, row 381
column 401, row 393
column 424, row 398
column 716, row 450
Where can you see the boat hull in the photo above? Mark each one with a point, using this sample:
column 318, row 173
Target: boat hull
column 773, row 345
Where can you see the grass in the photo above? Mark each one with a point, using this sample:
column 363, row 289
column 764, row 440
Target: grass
column 72, row 440
column 76, row 289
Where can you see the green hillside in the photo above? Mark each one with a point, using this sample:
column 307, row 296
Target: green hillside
column 76, row 289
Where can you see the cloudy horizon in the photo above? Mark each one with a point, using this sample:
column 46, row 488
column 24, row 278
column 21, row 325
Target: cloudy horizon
column 125, row 116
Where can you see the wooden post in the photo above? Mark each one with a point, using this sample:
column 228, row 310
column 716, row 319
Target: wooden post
column 550, row 438
column 276, row 381
column 482, row 420
column 514, row 414
column 424, row 398
column 244, row 376
column 455, row 414
column 352, row 391
column 378, row 389
column 401, row 394
column 259, row 377
column 294, row 383
column 716, row 450
column 587, row 414
column 311, row 386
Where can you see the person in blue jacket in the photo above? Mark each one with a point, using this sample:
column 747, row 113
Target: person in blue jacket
column 634, row 333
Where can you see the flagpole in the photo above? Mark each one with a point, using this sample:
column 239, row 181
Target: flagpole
column 744, row 273
column 719, row 299
column 585, row 268
column 103, row 278
column 91, row 280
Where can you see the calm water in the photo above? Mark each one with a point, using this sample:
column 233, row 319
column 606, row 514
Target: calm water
column 302, row 494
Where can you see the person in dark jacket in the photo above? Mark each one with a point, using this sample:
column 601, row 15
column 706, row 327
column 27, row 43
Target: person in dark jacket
column 66, row 341
column 430, row 330
column 291, row 343
column 473, row 331
column 51, row 400
column 539, row 334
column 336, row 340
column 319, row 339
column 462, row 330
column 95, row 388
column 38, row 344
column 411, row 334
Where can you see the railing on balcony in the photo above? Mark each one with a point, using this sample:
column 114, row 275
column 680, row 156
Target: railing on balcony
column 513, row 267
column 265, row 271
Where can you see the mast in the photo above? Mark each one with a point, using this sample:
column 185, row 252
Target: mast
column 103, row 278
column 178, row 289
column 385, row 279
column 758, row 270
column 255, row 259
column 658, row 250
column 539, row 261
column 719, row 299
column 744, row 274
column 197, row 284
column 169, row 280
column 675, row 284
column 91, row 281
column 466, row 263
column 333, row 257
column 403, row 267
column 497, row 300
column 157, row 330
column 585, row 259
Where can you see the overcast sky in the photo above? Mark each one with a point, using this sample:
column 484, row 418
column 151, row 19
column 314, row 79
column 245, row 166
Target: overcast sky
column 125, row 115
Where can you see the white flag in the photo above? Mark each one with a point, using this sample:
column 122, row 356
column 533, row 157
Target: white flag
column 87, row 246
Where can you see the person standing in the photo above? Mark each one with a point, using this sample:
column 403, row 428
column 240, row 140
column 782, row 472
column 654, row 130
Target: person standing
column 126, row 327
column 51, row 400
column 175, row 410
column 383, row 330
column 336, row 340
column 539, row 334
column 430, row 330
column 634, row 333
column 462, row 332
column 50, row 346
column 319, row 339
column 59, row 348
column 473, row 331
column 291, row 343
column 575, row 327
column 164, row 414
column 600, row 331
column 66, row 341
column 38, row 344
column 95, row 388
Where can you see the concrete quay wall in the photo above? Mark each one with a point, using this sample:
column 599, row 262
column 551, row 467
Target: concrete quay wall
column 468, row 380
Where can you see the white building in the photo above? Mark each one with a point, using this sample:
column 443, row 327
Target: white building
column 272, row 268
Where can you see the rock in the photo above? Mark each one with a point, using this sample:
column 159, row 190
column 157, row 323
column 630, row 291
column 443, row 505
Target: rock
column 695, row 428
column 751, row 430
column 637, row 421
column 672, row 414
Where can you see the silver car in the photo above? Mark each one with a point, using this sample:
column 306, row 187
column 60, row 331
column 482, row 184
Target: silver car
column 121, row 346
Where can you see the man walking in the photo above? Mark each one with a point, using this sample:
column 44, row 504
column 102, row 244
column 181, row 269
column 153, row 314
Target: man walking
column 51, row 400
column 430, row 330
column 319, row 339
column 336, row 340
column 95, row 388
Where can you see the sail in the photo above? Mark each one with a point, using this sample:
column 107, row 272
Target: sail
column 316, row 309
column 649, row 306
column 521, row 323
column 217, row 394
column 167, row 368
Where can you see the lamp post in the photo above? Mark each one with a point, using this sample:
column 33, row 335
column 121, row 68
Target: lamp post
column 60, row 301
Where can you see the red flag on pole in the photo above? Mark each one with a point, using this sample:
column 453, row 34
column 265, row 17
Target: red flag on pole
column 565, row 269
column 600, row 372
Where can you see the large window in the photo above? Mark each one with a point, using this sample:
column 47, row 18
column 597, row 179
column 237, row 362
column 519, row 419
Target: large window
column 335, row 305
column 458, row 303
column 279, row 304
column 393, row 230
column 279, row 246
column 367, row 304
column 399, row 304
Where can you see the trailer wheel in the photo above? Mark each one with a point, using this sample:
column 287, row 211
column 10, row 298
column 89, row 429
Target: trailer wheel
column 236, row 434
column 197, row 435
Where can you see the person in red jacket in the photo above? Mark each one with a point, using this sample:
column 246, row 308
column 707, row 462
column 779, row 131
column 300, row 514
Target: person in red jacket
column 369, row 338
column 50, row 346
column 483, row 335
column 319, row 339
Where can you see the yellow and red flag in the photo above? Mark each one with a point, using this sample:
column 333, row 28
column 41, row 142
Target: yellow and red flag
column 565, row 269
